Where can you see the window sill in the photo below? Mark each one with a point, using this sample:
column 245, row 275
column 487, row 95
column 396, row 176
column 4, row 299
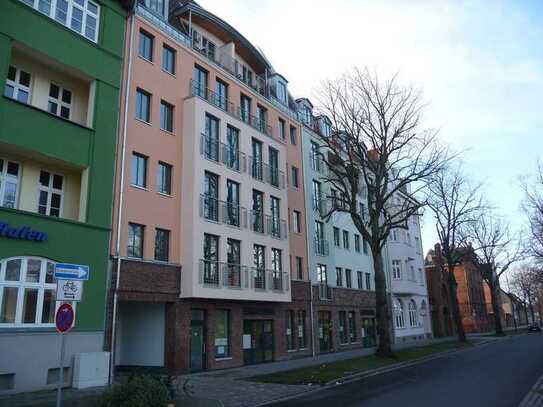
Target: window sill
column 223, row 359
column 145, row 59
column 169, row 73
column 168, row 132
column 142, row 121
column 165, row 195
column 140, row 188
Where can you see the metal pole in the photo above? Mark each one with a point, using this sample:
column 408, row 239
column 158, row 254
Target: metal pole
column 61, row 364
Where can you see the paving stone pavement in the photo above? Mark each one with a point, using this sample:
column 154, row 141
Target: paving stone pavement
column 534, row 398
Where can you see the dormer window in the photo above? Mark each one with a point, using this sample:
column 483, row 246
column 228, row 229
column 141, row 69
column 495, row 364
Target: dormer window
column 158, row 6
column 306, row 115
column 325, row 128
column 281, row 92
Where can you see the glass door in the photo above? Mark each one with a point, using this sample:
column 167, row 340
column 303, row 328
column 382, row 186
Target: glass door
column 197, row 341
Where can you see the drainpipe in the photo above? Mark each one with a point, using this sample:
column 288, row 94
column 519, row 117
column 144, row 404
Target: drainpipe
column 121, row 200
column 312, row 318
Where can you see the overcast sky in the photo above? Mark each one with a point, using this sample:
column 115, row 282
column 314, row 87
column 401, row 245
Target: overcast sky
column 479, row 63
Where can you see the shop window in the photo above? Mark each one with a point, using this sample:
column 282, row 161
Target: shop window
column 222, row 334
column 289, row 316
column 343, row 327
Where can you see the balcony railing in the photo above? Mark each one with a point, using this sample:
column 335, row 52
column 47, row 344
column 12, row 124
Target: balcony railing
column 322, row 248
column 200, row 90
column 220, row 274
column 209, row 147
column 325, row 292
column 276, row 227
column 214, row 150
column 224, row 212
column 317, row 163
column 321, row 206
column 265, row 173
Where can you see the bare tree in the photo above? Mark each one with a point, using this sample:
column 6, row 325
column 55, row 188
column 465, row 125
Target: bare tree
column 455, row 204
column 533, row 208
column 527, row 282
column 497, row 249
column 377, row 159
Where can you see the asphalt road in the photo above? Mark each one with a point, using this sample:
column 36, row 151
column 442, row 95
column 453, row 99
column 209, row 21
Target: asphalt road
column 495, row 375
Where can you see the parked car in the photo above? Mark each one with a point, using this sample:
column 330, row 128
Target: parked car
column 534, row 328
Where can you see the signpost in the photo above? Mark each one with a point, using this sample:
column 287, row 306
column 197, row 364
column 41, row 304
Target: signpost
column 70, row 279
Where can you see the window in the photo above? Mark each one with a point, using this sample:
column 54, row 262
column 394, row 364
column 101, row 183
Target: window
column 299, row 268
column 339, row 277
column 164, row 178
column 365, row 245
column 143, row 106
column 296, row 222
column 162, row 244
column 293, row 136
column 211, row 196
column 82, row 16
column 233, row 260
column 322, row 274
column 222, row 333
column 9, row 183
column 357, row 243
column 411, row 273
column 211, row 259
column 211, row 143
column 274, row 166
column 221, row 94
column 336, row 237
column 368, row 281
column 259, row 263
column 18, row 85
column 294, row 177
column 398, row 314
column 396, row 269
column 421, row 277
column 277, row 269
column 301, row 330
column 281, row 129
column 281, row 92
column 315, row 159
column 343, row 327
column 316, row 195
column 321, row 245
column 417, row 245
column 60, row 101
column 50, row 194
column 348, row 278
column 146, row 45
column 352, row 326
column 232, row 148
column 257, row 214
column 27, row 292
column 307, row 115
column 168, row 59
column 139, row 170
column 360, row 280
column 245, row 108
column 413, row 318
column 200, row 81
column 135, row 240
column 289, row 322
column 261, row 118
column 166, row 116
column 232, row 203
column 256, row 161
column 346, row 240
column 275, row 219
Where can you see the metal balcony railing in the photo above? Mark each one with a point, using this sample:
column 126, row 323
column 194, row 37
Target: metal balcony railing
column 321, row 206
column 229, row 213
column 265, row 279
column 275, row 227
column 322, row 248
column 317, row 163
column 257, row 221
column 209, row 147
column 265, row 173
column 233, row 158
column 325, row 292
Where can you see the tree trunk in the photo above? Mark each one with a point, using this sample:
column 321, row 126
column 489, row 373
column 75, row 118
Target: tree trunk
column 496, row 306
column 531, row 309
column 381, row 304
column 454, row 304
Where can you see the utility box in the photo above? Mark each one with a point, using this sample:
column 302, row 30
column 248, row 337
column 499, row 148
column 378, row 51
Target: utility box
column 90, row 370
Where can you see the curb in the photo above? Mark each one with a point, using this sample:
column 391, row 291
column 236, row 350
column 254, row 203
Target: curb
column 375, row 372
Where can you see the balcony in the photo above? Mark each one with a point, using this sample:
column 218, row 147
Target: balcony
column 322, row 248
column 214, row 150
column 317, row 164
column 235, row 276
column 321, row 206
column 223, row 212
column 266, row 173
column 197, row 89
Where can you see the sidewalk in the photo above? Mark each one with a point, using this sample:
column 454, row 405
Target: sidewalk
column 534, row 398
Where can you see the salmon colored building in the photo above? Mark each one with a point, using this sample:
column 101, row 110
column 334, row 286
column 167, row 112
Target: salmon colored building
column 209, row 254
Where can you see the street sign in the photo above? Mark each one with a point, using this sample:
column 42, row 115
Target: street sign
column 64, row 318
column 69, row 290
column 66, row 271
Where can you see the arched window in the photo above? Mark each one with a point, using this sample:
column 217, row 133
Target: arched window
column 413, row 317
column 27, row 292
column 398, row 314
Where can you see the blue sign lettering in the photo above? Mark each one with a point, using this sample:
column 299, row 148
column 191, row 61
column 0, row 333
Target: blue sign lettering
column 22, row 232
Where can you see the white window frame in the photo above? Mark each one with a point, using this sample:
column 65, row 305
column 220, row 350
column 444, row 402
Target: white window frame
column 60, row 103
column 396, row 269
column 5, row 177
column 50, row 191
column 399, row 319
column 413, row 316
column 17, row 86
column 296, row 218
column 21, row 285
column 71, row 4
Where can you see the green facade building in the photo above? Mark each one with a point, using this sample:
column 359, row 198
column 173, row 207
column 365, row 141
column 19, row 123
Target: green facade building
column 61, row 62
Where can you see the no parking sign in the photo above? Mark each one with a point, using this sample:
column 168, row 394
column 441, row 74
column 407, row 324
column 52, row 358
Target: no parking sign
column 64, row 319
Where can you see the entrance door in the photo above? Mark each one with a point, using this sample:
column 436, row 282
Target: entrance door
column 325, row 331
column 197, row 341
column 261, row 341
column 368, row 324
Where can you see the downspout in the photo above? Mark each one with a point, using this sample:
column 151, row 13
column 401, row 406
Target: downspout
column 121, row 200
column 312, row 317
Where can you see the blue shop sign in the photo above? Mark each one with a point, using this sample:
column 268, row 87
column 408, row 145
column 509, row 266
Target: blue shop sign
column 22, row 232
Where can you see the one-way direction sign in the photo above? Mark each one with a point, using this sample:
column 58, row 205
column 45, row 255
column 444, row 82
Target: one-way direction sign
column 66, row 271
